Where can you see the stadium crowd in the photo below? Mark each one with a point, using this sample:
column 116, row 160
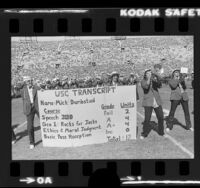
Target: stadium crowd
column 82, row 58
column 98, row 63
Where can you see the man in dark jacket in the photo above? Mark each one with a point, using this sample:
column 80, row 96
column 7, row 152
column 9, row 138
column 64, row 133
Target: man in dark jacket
column 13, row 133
column 30, row 106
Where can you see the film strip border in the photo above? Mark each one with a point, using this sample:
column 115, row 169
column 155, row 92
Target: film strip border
column 102, row 22
column 87, row 25
column 68, row 172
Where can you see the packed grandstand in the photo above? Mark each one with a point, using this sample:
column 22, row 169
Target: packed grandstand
column 79, row 57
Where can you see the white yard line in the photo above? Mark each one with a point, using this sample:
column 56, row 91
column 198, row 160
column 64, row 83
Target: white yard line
column 175, row 142
column 180, row 145
column 21, row 125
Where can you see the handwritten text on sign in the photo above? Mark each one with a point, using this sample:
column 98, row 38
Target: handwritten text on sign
column 85, row 116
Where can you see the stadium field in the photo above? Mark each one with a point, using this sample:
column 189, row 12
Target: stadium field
column 179, row 143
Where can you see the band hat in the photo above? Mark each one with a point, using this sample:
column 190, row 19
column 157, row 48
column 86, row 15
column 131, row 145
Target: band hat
column 114, row 73
column 64, row 78
column 176, row 70
column 98, row 78
column 146, row 70
column 26, row 78
column 132, row 74
column 54, row 80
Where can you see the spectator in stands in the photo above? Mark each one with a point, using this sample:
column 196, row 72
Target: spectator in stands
column 30, row 106
column 151, row 101
column 178, row 96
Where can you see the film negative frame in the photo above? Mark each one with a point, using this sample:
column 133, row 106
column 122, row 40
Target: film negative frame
column 95, row 22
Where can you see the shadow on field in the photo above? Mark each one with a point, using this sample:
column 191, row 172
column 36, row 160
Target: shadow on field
column 24, row 133
column 37, row 143
column 175, row 122
column 15, row 126
column 153, row 126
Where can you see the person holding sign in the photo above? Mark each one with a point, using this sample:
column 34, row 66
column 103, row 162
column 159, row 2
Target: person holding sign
column 151, row 100
column 30, row 106
column 115, row 79
column 133, row 80
column 178, row 96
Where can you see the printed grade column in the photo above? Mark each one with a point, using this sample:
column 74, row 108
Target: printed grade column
column 86, row 116
column 120, row 114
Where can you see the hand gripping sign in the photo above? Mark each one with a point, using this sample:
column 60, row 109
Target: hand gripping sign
column 77, row 117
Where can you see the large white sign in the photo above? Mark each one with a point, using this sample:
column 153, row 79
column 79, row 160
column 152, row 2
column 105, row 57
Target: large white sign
column 77, row 117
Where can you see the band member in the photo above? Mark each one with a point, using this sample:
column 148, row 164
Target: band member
column 13, row 133
column 105, row 79
column 178, row 96
column 99, row 81
column 48, row 84
column 115, row 79
column 133, row 80
column 151, row 100
column 65, row 84
column 30, row 106
column 192, row 82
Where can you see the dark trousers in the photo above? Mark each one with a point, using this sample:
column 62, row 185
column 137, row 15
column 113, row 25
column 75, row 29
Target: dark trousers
column 13, row 135
column 174, row 104
column 160, row 117
column 30, row 124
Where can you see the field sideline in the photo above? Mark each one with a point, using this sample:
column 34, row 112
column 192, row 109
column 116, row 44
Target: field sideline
column 179, row 143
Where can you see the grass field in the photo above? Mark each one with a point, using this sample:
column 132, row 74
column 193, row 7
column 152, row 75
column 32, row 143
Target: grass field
column 179, row 143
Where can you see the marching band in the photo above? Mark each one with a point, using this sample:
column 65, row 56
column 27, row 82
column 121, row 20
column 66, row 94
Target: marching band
column 150, row 84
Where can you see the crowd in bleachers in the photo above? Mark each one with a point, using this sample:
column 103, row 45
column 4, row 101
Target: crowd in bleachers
column 80, row 59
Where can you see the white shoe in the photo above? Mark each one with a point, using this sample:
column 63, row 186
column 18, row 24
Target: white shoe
column 13, row 142
column 32, row 146
column 141, row 137
column 167, row 130
column 191, row 129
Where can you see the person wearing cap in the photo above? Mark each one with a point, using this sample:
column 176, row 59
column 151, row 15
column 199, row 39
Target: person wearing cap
column 73, row 84
column 65, row 84
column 151, row 101
column 56, row 84
column 48, row 84
column 178, row 96
column 115, row 79
column 30, row 106
column 122, row 80
column 105, row 79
